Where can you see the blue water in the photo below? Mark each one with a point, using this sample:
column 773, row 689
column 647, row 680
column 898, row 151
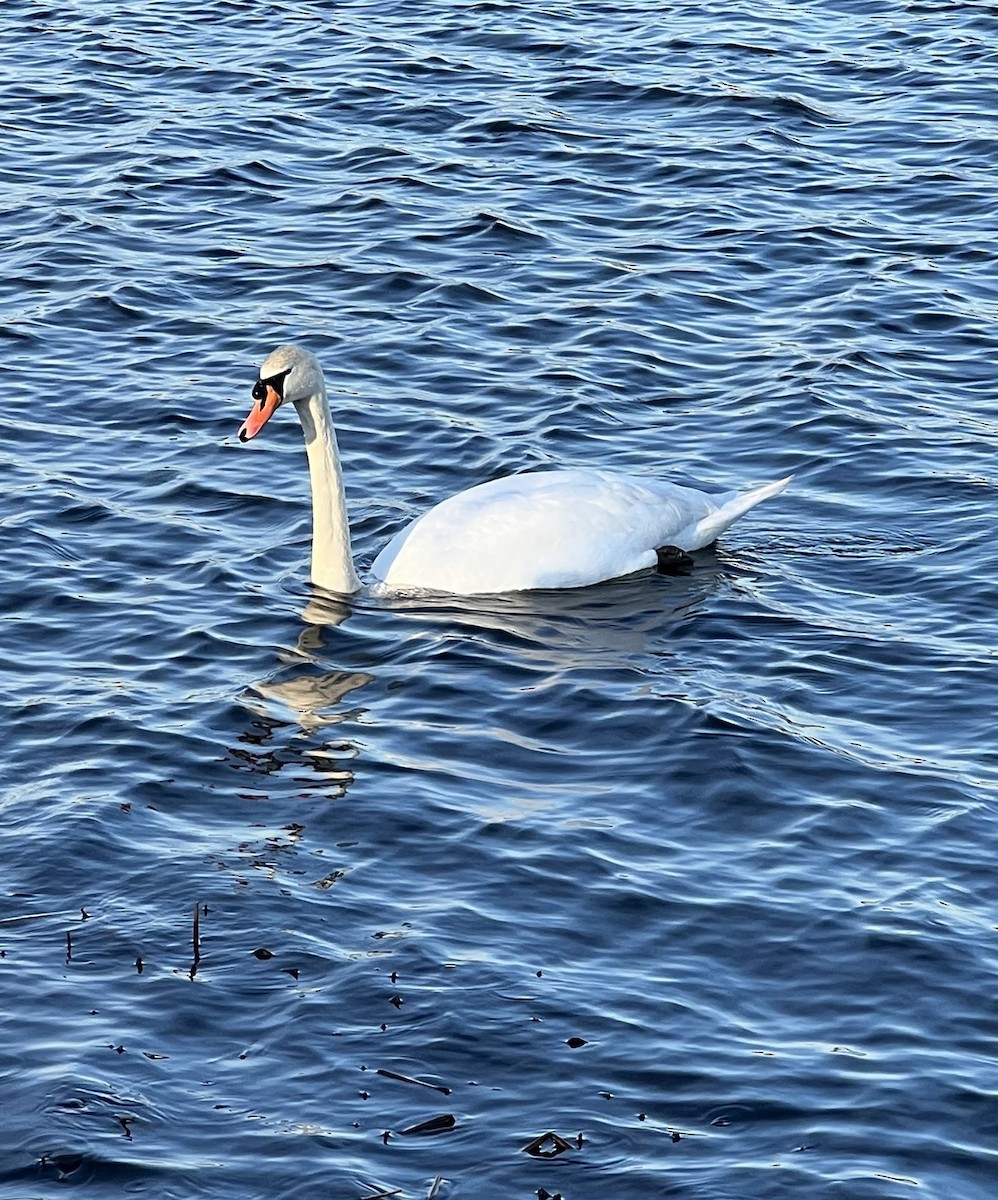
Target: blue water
column 734, row 831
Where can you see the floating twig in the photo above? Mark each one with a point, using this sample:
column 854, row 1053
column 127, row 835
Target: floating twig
column 437, row 1087
column 28, row 917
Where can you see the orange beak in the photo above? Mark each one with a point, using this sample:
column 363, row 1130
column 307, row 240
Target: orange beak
column 260, row 413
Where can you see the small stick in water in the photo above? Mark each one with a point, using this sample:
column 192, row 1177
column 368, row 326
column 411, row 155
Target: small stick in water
column 437, row 1087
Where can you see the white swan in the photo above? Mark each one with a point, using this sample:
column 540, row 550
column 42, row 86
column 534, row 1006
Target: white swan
column 547, row 529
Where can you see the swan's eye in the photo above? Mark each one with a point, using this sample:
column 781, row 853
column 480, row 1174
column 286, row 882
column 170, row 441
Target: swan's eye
column 275, row 381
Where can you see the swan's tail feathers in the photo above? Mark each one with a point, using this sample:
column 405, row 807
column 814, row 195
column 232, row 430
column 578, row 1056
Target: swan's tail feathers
column 732, row 506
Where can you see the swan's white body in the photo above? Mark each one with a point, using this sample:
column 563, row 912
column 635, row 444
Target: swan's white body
column 553, row 529
column 549, row 529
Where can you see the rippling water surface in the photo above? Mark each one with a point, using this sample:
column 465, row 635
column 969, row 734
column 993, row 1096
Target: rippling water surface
column 696, row 873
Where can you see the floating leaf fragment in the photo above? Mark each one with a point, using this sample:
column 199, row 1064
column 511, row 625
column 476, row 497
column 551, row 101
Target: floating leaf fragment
column 434, row 1125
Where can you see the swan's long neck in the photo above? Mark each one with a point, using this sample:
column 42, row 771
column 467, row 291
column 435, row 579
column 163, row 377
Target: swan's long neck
column 332, row 559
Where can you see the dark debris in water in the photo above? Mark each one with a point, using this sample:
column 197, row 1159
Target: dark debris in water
column 65, row 1164
column 327, row 881
column 441, row 1124
column 548, row 1145
column 437, row 1087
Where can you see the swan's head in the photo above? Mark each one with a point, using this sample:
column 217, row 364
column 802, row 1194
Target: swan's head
column 288, row 374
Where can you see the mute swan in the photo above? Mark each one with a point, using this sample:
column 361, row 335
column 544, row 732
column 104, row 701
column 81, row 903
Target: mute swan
column 545, row 529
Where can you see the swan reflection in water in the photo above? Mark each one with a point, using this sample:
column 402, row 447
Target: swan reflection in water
column 313, row 694
column 564, row 626
column 597, row 627
column 454, row 689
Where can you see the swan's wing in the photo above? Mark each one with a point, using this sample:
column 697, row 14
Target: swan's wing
column 550, row 529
